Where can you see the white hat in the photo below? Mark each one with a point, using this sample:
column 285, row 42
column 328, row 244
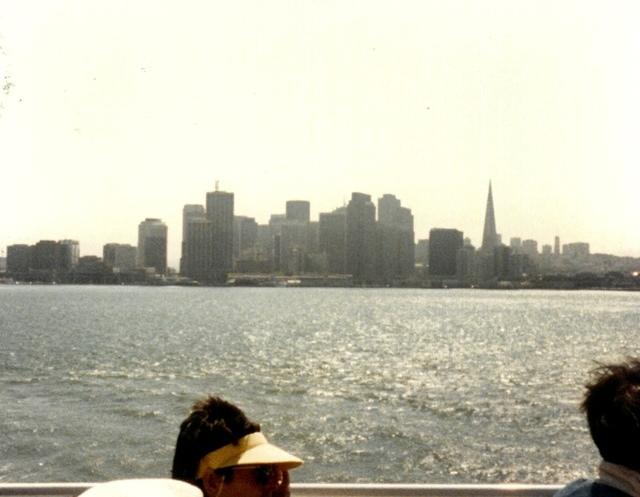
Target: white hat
column 143, row 487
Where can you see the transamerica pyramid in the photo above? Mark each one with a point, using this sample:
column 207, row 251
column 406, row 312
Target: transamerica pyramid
column 489, row 235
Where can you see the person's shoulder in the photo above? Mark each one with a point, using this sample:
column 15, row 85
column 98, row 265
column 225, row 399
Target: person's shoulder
column 577, row 488
column 584, row 487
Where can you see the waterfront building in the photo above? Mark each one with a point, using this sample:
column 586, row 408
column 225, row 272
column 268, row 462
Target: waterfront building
column 422, row 252
column 69, row 254
column 46, row 256
column 466, row 266
column 220, row 215
column 361, row 238
column 293, row 246
column 245, row 235
column 396, row 256
column 444, row 245
column 502, row 263
column 264, row 248
column 190, row 212
column 119, row 257
column 556, row 246
column 298, row 210
column 198, row 251
column 19, row 259
column 152, row 245
column 332, row 239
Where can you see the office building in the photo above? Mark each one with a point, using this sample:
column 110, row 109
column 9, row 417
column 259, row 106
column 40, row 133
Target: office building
column 576, row 250
column 298, row 210
column 220, row 215
column 444, row 245
column 361, row 238
column 516, row 245
column 46, row 256
column 530, row 248
column 332, row 239
column 152, row 245
column 69, row 254
column 119, row 257
column 422, row 252
column 245, row 235
column 396, row 256
column 190, row 212
column 19, row 259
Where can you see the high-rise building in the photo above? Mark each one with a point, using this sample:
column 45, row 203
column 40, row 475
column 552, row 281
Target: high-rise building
column 119, row 257
column 556, row 246
column 443, row 252
column 69, row 254
column 198, row 254
column 152, row 245
column 422, row 252
column 361, row 238
column 516, row 244
column 530, row 248
column 46, row 256
column 298, row 210
column 333, row 229
column 396, row 258
column 489, row 234
column 190, row 212
column 576, row 250
column 220, row 214
column 245, row 234
column 487, row 269
column 19, row 259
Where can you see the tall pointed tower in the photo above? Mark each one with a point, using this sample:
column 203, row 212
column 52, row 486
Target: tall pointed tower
column 489, row 235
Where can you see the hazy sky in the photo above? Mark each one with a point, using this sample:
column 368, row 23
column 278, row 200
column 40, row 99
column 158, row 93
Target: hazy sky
column 113, row 111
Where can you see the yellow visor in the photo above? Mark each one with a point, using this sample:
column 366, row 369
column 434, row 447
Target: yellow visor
column 252, row 449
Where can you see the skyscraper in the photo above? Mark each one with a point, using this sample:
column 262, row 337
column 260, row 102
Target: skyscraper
column 245, row 234
column 489, row 234
column 190, row 213
column 220, row 214
column 333, row 226
column 361, row 238
column 152, row 245
column 119, row 257
column 443, row 252
column 298, row 210
column 396, row 258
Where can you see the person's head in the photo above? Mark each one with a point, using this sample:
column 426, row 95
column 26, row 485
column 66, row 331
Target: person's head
column 612, row 406
column 223, row 452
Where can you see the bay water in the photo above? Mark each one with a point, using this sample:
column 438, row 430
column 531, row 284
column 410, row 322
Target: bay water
column 366, row 385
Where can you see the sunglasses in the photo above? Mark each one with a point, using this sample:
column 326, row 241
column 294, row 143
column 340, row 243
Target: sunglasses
column 262, row 473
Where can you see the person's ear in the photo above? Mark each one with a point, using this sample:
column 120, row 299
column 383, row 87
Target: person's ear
column 212, row 484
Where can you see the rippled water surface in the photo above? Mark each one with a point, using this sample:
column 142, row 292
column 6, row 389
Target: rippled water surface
column 445, row 386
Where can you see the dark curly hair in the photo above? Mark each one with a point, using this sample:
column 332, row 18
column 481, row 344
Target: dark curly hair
column 612, row 406
column 212, row 423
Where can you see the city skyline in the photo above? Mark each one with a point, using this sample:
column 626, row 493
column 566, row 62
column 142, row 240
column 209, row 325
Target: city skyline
column 488, row 215
column 314, row 101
